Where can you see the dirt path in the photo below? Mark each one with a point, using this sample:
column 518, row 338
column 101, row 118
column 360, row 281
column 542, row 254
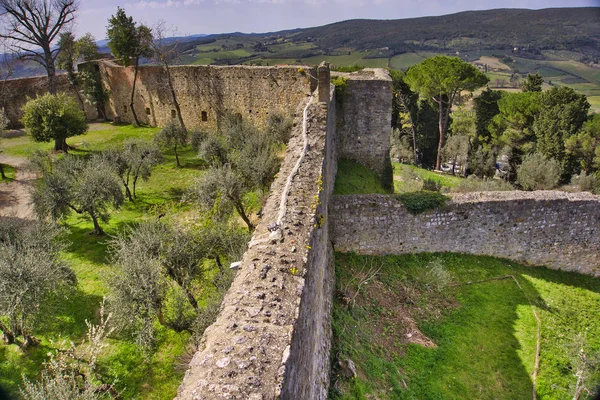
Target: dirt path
column 14, row 196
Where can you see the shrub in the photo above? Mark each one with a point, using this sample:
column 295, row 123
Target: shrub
column 435, row 276
column 340, row 87
column 431, row 185
column 587, row 183
column 538, row 173
column 475, row 184
column 352, row 68
column 421, row 201
column 54, row 117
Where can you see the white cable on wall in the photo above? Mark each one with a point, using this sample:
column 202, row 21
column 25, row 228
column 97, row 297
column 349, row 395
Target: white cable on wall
column 284, row 194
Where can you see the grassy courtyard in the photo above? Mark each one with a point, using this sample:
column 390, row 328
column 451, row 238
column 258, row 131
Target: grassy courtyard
column 138, row 376
column 451, row 326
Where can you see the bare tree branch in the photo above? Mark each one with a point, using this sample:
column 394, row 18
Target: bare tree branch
column 32, row 25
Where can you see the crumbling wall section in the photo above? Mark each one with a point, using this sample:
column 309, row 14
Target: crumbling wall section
column 364, row 117
column 556, row 229
column 205, row 93
column 266, row 343
column 14, row 94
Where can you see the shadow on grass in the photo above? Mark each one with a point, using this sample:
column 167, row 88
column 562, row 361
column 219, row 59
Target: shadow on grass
column 65, row 314
column 485, row 344
column 14, row 363
column 85, row 245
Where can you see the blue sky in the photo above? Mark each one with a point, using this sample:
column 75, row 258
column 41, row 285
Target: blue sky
column 220, row 16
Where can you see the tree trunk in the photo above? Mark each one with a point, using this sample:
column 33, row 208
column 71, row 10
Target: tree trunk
column 9, row 336
column 177, row 156
column 2, row 174
column 60, row 144
column 414, row 137
column 191, row 298
column 97, row 229
column 135, row 178
column 240, row 209
column 101, row 111
column 175, row 102
column 219, row 264
column 135, row 118
column 128, row 192
column 50, row 68
column 466, row 163
column 438, row 160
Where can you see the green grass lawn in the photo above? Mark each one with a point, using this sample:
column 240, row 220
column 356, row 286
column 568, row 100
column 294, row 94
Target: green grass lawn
column 99, row 137
column 474, row 341
column 354, row 178
column 138, row 377
column 408, row 178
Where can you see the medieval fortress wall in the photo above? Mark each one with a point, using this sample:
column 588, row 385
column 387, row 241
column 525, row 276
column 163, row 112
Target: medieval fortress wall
column 551, row 228
column 206, row 93
column 272, row 337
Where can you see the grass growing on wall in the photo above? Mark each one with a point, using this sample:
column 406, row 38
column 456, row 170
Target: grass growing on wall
column 417, row 330
column 138, row 377
column 421, row 201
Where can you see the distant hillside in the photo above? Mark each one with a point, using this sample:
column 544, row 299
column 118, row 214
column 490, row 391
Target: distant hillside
column 574, row 29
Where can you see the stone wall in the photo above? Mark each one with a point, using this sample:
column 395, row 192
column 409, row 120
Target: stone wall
column 205, row 93
column 364, row 117
column 556, row 229
column 307, row 371
column 15, row 92
column 272, row 336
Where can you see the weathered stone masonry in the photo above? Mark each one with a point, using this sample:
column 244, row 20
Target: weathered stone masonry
column 272, row 337
column 556, row 229
column 364, row 117
column 205, row 93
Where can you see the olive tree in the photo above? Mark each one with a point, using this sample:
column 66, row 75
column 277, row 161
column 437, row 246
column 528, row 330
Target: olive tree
column 222, row 189
column 54, row 117
column 538, row 173
column 72, row 371
column 30, row 271
column 133, row 161
column 75, row 184
column 172, row 136
column 441, row 79
column 160, row 266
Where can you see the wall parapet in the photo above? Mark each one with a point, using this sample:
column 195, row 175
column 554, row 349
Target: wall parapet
column 555, row 229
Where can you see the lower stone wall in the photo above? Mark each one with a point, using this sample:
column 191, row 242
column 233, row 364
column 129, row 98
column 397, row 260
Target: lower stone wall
column 272, row 336
column 556, row 229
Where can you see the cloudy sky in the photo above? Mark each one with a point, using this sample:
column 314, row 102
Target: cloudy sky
column 221, row 16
